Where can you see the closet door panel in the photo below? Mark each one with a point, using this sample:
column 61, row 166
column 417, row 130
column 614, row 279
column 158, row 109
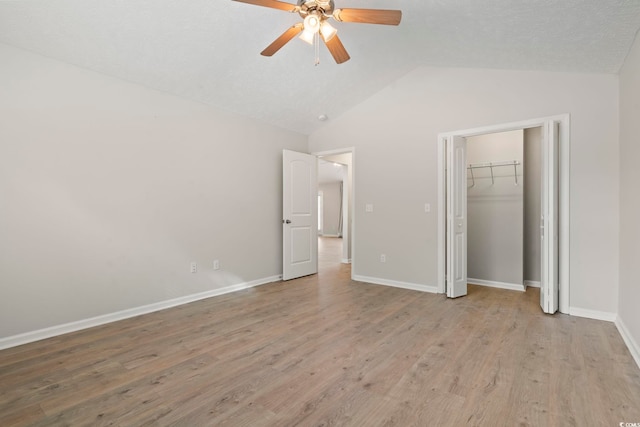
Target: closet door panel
column 457, row 218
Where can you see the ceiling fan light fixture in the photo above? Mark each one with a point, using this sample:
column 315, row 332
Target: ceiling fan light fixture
column 312, row 23
column 311, row 28
column 327, row 31
column 307, row 36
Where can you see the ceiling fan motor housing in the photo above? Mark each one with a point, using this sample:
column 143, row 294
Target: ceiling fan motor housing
column 321, row 7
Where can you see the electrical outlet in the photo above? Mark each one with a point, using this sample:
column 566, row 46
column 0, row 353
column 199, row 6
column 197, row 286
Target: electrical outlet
column 368, row 207
column 194, row 267
column 216, row 264
column 383, row 258
column 427, row 207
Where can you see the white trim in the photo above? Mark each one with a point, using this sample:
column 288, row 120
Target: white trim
column 506, row 127
column 500, row 285
column 329, row 235
column 346, row 260
column 592, row 314
column 632, row 345
column 531, row 284
column 442, row 214
column 66, row 328
column 396, row 284
column 564, row 205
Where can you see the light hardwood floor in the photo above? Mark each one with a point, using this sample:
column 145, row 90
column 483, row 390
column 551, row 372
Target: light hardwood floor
column 324, row 350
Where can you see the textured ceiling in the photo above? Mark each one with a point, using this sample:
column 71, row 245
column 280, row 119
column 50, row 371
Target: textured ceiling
column 208, row 50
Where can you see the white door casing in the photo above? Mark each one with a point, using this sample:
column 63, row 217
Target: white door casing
column 457, row 217
column 349, row 220
column 558, row 271
column 549, row 276
column 300, row 215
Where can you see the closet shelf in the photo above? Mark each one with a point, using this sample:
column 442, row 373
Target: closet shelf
column 492, row 165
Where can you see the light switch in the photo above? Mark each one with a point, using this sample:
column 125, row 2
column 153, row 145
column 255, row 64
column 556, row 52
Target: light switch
column 368, row 207
column 427, row 207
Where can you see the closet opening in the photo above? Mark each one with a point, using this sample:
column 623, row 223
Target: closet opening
column 503, row 209
column 503, row 216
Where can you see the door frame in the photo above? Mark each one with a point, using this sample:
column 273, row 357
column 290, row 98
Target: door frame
column 563, row 188
column 352, row 198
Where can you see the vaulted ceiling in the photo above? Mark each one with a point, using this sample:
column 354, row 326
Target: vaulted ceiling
column 208, row 50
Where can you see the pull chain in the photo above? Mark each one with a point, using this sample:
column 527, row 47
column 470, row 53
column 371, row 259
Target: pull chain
column 316, row 42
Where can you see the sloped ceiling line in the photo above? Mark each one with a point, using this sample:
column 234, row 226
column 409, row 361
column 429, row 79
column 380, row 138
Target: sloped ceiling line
column 208, row 50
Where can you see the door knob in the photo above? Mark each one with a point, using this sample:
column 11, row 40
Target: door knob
column 286, row 221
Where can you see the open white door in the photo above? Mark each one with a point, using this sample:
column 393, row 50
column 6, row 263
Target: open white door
column 549, row 221
column 457, row 217
column 300, row 215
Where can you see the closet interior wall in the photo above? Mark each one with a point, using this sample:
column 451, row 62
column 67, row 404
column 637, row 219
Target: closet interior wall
column 495, row 211
column 532, row 205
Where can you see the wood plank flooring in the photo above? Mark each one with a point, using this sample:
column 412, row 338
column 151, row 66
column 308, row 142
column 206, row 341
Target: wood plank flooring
column 324, row 350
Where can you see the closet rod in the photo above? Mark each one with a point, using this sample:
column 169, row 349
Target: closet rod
column 491, row 165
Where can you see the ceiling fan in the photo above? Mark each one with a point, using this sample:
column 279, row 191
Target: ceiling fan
column 315, row 26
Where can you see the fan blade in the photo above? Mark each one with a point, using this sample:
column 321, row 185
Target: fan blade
column 369, row 16
column 274, row 4
column 337, row 50
column 282, row 40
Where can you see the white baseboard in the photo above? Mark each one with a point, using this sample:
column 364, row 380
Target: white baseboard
column 632, row 345
column 531, row 284
column 330, row 235
column 396, row 284
column 501, row 285
column 592, row 314
column 66, row 328
column 346, row 260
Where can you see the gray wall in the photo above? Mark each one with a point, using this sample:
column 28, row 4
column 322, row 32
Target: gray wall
column 395, row 134
column 495, row 210
column 629, row 313
column 532, row 184
column 109, row 190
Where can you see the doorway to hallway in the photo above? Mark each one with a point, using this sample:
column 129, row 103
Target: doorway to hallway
column 330, row 254
column 336, row 189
